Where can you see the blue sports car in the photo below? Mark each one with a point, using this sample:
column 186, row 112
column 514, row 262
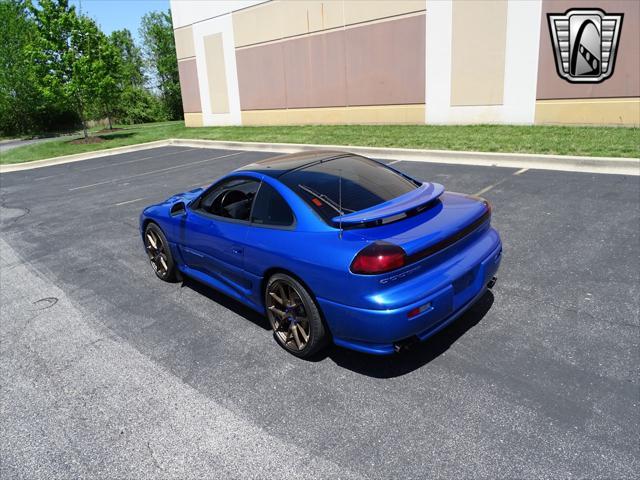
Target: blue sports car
column 331, row 246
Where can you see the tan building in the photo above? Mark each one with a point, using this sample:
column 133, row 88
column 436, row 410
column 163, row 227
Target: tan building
column 275, row 62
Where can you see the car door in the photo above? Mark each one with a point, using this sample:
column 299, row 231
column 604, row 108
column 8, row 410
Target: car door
column 269, row 242
column 216, row 231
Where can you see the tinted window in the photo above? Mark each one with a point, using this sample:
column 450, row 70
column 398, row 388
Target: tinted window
column 230, row 199
column 270, row 208
column 364, row 183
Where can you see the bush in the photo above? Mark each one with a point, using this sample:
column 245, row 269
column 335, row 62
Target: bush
column 140, row 106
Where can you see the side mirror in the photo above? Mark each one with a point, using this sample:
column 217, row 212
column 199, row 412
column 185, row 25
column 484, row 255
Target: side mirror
column 178, row 208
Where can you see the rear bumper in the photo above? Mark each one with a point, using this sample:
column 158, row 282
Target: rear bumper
column 376, row 331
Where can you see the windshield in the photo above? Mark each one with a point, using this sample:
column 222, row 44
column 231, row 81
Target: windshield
column 364, row 183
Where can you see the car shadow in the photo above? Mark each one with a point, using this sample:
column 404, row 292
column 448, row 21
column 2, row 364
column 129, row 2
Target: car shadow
column 227, row 302
column 417, row 356
column 370, row 365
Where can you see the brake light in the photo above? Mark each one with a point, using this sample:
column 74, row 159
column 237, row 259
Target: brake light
column 379, row 257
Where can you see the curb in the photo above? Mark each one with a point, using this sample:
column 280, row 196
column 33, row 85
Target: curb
column 606, row 165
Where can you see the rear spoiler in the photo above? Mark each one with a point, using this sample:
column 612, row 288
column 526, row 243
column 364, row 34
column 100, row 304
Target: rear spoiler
column 422, row 195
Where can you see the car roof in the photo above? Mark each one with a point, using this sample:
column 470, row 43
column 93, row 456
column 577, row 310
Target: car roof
column 277, row 166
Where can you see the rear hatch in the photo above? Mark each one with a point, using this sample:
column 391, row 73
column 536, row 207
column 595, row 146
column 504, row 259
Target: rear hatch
column 445, row 247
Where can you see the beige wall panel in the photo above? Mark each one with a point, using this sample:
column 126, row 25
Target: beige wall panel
column 216, row 73
column 478, row 46
column 332, row 15
column 189, row 87
column 387, row 114
column 356, row 11
column 386, row 62
column 625, row 81
column 608, row 111
column 261, row 78
column 184, row 42
column 257, row 24
column 281, row 19
column 315, row 71
column 193, row 120
column 302, row 17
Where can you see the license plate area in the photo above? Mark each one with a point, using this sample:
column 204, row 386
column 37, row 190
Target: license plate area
column 462, row 283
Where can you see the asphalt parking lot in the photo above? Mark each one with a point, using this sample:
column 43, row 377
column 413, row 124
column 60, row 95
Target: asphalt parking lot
column 108, row 372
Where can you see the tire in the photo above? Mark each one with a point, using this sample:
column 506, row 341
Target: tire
column 294, row 317
column 159, row 253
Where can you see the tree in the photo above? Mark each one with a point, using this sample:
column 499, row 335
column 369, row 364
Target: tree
column 23, row 106
column 131, row 58
column 157, row 33
column 136, row 103
column 16, row 70
column 57, row 69
column 68, row 55
column 110, row 81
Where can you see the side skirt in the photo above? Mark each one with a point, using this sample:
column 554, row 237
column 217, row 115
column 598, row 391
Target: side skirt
column 221, row 287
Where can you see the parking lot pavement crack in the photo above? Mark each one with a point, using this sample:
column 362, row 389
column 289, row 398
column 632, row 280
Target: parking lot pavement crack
column 11, row 214
column 153, row 456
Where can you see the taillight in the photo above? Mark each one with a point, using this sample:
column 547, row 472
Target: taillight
column 379, row 257
column 488, row 205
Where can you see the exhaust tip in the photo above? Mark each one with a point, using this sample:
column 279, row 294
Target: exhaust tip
column 492, row 282
column 406, row 344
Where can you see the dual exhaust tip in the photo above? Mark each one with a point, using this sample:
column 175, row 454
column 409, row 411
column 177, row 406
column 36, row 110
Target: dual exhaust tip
column 407, row 343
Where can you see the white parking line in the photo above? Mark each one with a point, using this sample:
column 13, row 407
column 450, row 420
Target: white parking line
column 114, row 164
column 49, row 176
column 395, row 161
column 486, row 189
column 128, row 201
column 136, row 160
column 490, row 187
column 114, row 180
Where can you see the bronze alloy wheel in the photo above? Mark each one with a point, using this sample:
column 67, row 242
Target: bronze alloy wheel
column 288, row 315
column 294, row 316
column 158, row 253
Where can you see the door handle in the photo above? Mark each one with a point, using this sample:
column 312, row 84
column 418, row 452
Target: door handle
column 237, row 251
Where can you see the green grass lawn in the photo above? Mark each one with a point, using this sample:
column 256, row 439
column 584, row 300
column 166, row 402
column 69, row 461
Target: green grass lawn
column 585, row 141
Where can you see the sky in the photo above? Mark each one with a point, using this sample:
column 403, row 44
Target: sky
column 118, row 14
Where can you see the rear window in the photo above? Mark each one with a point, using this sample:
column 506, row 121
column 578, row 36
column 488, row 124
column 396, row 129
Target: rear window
column 364, row 183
